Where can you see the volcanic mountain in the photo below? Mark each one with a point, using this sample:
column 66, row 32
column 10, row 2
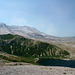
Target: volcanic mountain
column 25, row 31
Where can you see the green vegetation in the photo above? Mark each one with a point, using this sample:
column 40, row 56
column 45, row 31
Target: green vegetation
column 13, row 58
column 29, row 48
column 7, row 36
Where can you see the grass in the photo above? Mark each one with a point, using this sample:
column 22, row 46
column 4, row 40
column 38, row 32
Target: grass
column 7, row 36
column 14, row 58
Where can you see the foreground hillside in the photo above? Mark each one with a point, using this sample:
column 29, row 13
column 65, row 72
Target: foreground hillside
column 7, row 59
column 17, row 45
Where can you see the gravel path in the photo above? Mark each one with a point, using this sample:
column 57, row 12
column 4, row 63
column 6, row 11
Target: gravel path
column 35, row 70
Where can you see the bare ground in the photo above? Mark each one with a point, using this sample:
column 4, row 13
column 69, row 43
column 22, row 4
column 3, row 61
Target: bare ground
column 20, row 68
column 35, row 70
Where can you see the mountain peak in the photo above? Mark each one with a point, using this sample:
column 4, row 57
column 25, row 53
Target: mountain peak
column 25, row 31
column 2, row 24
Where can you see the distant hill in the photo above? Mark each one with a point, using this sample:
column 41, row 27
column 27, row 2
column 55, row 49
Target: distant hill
column 26, row 31
column 18, row 45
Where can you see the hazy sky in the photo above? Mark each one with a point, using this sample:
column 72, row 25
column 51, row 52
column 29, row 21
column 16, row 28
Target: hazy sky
column 54, row 17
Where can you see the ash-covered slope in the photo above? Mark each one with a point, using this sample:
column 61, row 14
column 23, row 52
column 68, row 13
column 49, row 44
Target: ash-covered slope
column 4, row 29
column 25, row 31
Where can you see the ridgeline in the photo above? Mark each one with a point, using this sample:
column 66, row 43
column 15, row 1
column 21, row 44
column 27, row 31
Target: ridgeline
column 18, row 45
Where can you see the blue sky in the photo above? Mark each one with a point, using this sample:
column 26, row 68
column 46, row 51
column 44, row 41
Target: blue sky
column 54, row 17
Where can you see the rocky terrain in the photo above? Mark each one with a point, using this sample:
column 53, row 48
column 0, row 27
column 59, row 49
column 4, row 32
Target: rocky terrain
column 35, row 70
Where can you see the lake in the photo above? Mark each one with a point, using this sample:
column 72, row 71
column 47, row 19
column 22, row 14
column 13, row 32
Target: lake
column 56, row 62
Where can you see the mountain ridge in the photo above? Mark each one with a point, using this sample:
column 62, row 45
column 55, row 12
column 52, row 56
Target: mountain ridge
column 18, row 45
column 31, row 33
column 26, row 31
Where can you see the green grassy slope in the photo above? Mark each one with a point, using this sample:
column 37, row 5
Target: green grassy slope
column 21, row 46
column 7, row 58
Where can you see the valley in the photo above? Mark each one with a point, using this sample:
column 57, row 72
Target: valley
column 21, row 49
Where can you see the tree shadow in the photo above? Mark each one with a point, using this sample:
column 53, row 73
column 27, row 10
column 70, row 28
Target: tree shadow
column 56, row 62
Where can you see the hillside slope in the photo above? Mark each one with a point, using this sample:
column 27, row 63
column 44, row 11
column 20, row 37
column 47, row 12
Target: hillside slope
column 18, row 45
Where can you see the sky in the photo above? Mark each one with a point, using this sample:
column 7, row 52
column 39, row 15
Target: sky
column 53, row 17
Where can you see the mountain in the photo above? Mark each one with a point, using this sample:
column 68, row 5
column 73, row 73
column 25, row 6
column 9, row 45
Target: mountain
column 26, row 31
column 18, row 45
column 32, row 33
column 4, row 29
